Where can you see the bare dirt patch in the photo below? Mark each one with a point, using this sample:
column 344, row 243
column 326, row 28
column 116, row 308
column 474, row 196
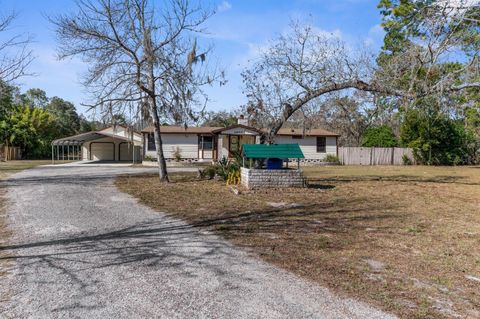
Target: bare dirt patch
column 406, row 239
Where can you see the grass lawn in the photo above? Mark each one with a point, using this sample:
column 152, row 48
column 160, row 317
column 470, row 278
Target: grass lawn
column 406, row 239
column 11, row 167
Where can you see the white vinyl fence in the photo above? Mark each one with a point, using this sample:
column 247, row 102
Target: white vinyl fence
column 373, row 155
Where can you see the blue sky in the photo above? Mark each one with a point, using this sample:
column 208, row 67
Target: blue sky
column 238, row 29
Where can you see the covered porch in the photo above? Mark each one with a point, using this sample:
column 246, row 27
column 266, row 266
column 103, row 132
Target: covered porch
column 231, row 139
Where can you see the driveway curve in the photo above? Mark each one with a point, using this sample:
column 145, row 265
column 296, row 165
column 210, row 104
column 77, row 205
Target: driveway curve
column 82, row 249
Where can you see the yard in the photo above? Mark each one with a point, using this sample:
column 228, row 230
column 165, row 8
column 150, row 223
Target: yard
column 406, row 239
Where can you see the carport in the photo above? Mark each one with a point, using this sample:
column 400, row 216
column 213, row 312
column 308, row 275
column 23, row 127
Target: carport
column 110, row 144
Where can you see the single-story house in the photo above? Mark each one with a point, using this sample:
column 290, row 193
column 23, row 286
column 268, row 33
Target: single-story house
column 197, row 144
column 214, row 143
column 115, row 143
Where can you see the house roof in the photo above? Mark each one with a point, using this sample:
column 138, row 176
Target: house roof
column 311, row 132
column 219, row 130
column 216, row 130
column 167, row 129
column 78, row 139
column 272, row 151
column 86, row 137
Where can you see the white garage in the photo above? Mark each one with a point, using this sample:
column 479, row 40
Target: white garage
column 110, row 144
column 102, row 151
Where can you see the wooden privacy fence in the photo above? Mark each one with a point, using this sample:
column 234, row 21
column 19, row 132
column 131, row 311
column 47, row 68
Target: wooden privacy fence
column 373, row 155
column 8, row 153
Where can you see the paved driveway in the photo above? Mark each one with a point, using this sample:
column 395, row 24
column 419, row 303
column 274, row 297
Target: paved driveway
column 82, row 249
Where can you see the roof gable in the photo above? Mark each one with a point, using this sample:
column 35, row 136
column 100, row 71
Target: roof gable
column 238, row 129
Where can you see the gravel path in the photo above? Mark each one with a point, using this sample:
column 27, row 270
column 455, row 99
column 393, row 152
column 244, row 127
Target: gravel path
column 82, row 249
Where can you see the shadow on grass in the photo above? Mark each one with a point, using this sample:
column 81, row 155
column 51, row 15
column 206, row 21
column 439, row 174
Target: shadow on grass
column 395, row 178
column 316, row 185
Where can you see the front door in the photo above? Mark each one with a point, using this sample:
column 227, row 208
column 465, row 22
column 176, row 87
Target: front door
column 233, row 145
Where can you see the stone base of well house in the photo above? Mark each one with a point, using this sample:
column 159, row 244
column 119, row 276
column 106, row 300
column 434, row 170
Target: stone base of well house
column 259, row 178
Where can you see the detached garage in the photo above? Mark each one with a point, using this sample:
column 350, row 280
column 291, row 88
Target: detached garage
column 111, row 144
column 102, row 151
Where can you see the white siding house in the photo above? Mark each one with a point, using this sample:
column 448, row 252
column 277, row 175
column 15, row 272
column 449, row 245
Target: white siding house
column 308, row 145
column 187, row 145
column 214, row 143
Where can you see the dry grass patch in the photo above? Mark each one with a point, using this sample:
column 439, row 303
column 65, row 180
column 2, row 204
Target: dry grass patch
column 406, row 239
column 11, row 167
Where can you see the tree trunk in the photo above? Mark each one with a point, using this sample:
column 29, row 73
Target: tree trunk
column 162, row 165
column 151, row 91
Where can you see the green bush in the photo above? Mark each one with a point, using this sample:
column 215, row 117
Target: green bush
column 208, row 172
column 435, row 139
column 330, row 158
column 225, row 167
column 177, row 154
column 222, row 169
column 149, row 158
column 406, row 160
column 379, row 136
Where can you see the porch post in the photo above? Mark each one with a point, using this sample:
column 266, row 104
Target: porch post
column 219, row 146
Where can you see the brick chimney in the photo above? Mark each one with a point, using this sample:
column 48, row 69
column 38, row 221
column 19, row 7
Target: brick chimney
column 242, row 120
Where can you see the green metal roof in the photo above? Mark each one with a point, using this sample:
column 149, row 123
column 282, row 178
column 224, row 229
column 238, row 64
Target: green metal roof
column 272, row 151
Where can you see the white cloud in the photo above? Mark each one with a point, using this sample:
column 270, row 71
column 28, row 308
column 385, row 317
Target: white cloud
column 333, row 34
column 224, row 6
column 375, row 36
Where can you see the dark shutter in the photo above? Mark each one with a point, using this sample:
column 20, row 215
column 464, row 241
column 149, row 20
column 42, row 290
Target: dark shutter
column 321, row 144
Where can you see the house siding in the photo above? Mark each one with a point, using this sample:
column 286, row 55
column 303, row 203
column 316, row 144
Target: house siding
column 121, row 131
column 308, row 145
column 187, row 143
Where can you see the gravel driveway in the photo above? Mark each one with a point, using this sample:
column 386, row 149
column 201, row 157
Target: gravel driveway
column 82, row 249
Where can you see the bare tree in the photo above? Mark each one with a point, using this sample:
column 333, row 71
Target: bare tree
column 15, row 56
column 306, row 64
column 142, row 55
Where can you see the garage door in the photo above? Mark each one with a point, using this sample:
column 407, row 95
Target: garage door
column 102, row 151
column 126, row 152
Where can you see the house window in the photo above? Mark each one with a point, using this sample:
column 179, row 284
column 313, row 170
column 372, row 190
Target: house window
column 321, row 144
column 206, row 142
column 151, row 142
column 297, row 137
